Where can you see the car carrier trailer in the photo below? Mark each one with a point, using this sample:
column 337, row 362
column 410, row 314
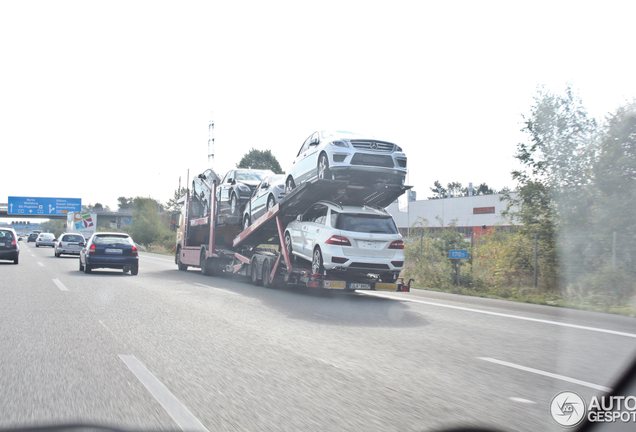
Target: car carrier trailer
column 217, row 244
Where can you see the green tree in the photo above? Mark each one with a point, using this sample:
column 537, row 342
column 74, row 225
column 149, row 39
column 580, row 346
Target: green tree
column 147, row 225
column 124, row 203
column 173, row 205
column 260, row 159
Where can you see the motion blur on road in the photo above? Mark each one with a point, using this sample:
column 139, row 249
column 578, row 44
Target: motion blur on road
column 170, row 350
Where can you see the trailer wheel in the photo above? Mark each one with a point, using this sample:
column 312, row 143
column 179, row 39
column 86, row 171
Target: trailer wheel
column 177, row 258
column 206, row 268
column 317, row 266
column 254, row 268
column 267, row 270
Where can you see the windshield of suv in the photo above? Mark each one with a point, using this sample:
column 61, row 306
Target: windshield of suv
column 366, row 223
column 251, row 175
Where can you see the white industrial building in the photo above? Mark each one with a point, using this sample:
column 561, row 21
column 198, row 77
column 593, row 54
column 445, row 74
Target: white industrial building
column 472, row 214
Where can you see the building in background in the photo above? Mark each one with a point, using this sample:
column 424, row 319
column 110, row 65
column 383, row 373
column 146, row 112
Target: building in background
column 472, row 215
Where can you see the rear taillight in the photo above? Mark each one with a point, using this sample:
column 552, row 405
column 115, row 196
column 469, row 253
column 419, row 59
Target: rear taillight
column 91, row 250
column 397, row 244
column 338, row 240
column 14, row 244
column 134, row 251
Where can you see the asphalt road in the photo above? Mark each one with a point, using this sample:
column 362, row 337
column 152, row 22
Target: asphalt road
column 172, row 350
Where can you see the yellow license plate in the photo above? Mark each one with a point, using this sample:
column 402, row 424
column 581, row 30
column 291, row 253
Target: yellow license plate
column 385, row 287
column 334, row 284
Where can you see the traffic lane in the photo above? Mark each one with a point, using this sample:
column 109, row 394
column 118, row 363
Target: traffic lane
column 59, row 364
column 442, row 351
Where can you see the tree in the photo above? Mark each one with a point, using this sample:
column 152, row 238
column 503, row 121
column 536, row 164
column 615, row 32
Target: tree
column 484, row 189
column 438, row 191
column 260, row 159
column 125, row 203
column 147, row 225
column 173, row 205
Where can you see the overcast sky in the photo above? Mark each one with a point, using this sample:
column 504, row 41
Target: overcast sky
column 106, row 99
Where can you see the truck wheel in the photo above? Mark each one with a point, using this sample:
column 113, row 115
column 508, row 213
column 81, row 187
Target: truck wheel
column 323, row 167
column 288, row 244
column 254, row 269
column 267, row 270
column 87, row 269
column 206, row 268
column 177, row 258
column 317, row 266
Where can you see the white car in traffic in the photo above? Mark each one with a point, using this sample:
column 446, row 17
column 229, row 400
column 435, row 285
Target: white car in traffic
column 358, row 239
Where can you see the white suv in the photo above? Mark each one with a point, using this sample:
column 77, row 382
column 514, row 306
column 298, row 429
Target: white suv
column 352, row 238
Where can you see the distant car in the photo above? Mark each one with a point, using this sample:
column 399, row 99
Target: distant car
column 110, row 250
column 266, row 195
column 32, row 237
column 360, row 240
column 9, row 247
column 69, row 244
column 347, row 155
column 237, row 187
column 45, row 239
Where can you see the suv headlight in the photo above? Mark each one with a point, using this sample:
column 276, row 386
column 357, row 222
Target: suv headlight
column 244, row 188
column 339, row 143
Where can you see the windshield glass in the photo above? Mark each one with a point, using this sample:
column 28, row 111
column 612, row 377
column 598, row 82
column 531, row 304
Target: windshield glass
column 251, row 175
column 366, row 223
column 341, row 134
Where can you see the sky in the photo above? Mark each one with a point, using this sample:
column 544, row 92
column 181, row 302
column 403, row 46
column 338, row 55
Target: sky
column 106, row 99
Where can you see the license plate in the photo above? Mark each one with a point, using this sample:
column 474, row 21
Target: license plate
column 368, row 245
column 385, row 287
column 333, row 284
column 359, row 286
column 118, row 251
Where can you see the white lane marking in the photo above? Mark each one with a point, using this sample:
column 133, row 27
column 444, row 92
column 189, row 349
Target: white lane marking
column 158, row 259
column 33, row 255
column 40, row 264
column 521, row 400
column 219, row 289
column 179, row 413
column 499, row 314
column 60, row 285
column 547, row 374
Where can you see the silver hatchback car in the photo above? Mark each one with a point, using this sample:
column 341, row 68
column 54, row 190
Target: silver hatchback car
column 347, row 155
column 45, row 239
column 69, row 244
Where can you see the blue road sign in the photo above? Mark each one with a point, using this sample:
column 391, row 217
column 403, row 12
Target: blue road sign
column 26, row 206
column 458, row 254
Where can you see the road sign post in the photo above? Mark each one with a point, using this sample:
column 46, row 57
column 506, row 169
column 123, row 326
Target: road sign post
column 458, row 254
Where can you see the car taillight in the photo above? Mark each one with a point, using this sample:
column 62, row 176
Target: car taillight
column 134, row 251
column 397, row 244
column 338, row 240
column 91, row 250
column 14, row 244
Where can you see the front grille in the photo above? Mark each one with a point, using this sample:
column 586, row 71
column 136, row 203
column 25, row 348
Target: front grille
column 369, row 266
column 372, row 160
column 379, row 146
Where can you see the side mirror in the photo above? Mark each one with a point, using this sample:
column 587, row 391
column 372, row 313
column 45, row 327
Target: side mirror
column 299, row 218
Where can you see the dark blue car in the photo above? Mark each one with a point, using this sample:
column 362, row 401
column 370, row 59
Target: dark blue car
column 110, row 250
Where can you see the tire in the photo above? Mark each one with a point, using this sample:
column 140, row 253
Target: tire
column 323, row 170
column 288, row 244
column 206, row 268
column 317, row 264
column 37, row 245
column 81, row 267
column 134, row 270
column 246, row 222
column 177, row 258
column 270, row 203
column 254, row 268
column 87, row 269
column 57, row 255
column 267, row 269
column 16, row 260
column 233, row 205
column 290, row 185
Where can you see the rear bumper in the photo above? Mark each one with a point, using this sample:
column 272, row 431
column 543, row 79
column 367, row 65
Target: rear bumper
column 67, row 251
column 111, row 262
column 9, row 254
